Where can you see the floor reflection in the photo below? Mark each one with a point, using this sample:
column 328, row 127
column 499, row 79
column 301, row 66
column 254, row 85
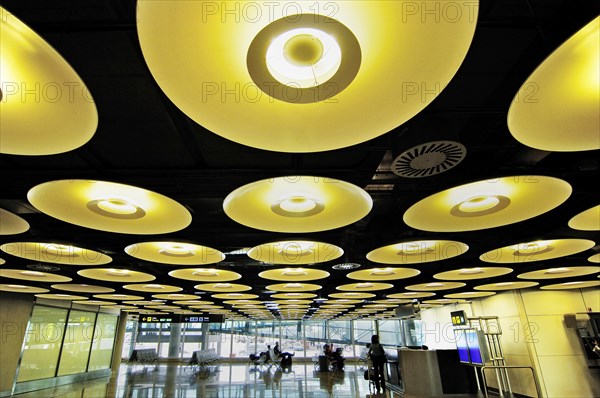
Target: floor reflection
column 225, row 381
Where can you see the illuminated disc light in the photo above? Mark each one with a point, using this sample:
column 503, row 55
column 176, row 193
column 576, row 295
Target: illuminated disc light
column 21, row 289
column 434, row 286
column 32, row 275
column 67, row 297
column 294, row 274
column 537, row 250
column 472, row 273
column 562, row 114
column 109, row 206
column 365, row 286
column 488, row 204
column 571, row 285
column 293, row 287
column 295, row 252
column 430, row 59
column 205, row 274
column 57, row 99
column 465, row 295
column 595, row 258
column 588, row 220
column 409, row 295
column 383, row 274
column 303, row 57
column 55, row 253
column 11, row 224
column 222, row 287
column 235, row 296
column 415, row 252
column 175, row 253
column 116, row 275
column 152, row 288
column 175, row 296
column 560, row 272
column 500, row 286
column 118, row 297
column 82, row 288
column 297, row 204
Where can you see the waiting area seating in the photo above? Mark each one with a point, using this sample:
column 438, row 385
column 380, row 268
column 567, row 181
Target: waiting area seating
column 143, row 356
column 203, row 360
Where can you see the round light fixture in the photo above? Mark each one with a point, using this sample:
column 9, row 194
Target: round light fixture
column 537, row 250
column 571, row 285
column 55, row 253
column 277, row 69
column 472, row 273
column 588, row 220
column 488, row 204
column 297, row 204
column 500, row 286
column 11, row 224
column 109, row 206
column 560, row 272
column 545, row 107
column 205, row 274
column 40, row 92
column 175, row 253
column 294, row 274
column 28, row 275
column 433, row 287
column 414, row 252
column 115, row 275
column 295, row 252
column 383, row 274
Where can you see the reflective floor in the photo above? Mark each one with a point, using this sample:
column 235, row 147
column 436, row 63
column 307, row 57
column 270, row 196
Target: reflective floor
column 226, row 381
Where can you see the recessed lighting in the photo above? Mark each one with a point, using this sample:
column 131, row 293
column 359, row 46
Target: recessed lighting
column 33, row 273
column 294, row 272
column 382, row 271
column 116, row 207
column 470, row 271
column 346, row 266
column 434, row 284
column 560, row 270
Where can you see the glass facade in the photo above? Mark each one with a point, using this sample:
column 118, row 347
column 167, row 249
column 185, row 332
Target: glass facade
column 42, row 344
column 61, row 341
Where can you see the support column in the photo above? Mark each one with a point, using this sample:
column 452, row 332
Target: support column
column 175, row 340
column 119, row 339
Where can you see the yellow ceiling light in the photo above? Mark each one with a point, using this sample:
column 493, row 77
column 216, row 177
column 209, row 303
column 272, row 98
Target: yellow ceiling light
column 351, row 295
column 537, row 250
column 234, row 296
column 571, row 285
column 295, row 252
column 205, row 274
column 82, row 288
column 8, row 287
column 468, row 295
column 294, row 274
column 559, row 272
column 293, row 287
column 383, row 274
column 40, row 93
column 434, row 286
column 506, row 285
column 223, row 287
column 289, row 78
column 11, row 224
column 175, row 296
column 175, row 253
column 293, row 296
column 193, row 302
column 94, row 302
column 392, row 301
column 472, row 273
column 55, row 253
column 68, row 297
column 468, row 208
column 419, row 251
column 562, row 114
column 118, row 297
column 365, row 286
column 298, row 204
column 115, row 275
column 442, row 301
column 409, row 295
column 109, row 206
column 28, row 275
column 588, row 220
column 152, row 288
column 595, row 258
column 342, row 302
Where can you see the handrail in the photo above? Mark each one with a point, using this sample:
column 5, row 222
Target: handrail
column 535, row 379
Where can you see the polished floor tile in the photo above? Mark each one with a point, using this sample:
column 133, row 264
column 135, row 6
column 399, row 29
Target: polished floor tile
column 226, row 381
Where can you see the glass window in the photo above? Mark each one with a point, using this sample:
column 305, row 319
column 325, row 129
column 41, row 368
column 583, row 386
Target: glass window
column 42, row 343
column 102, row 346
column 315, row 332
column 77, row 342
column 389, row 332
column 192, row 339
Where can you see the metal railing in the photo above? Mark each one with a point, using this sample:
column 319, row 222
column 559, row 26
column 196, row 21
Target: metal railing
column 505, row 367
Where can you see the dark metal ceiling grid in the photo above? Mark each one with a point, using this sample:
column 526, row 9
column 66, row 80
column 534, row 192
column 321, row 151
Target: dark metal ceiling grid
column 144, row 140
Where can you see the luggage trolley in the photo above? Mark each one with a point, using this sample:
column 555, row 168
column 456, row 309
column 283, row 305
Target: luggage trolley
column 369, row 375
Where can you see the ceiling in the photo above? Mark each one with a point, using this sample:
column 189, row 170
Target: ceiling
column 144, row 140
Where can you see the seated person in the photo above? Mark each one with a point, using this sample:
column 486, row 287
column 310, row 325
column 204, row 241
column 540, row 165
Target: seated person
column 283, row 355
column 335, row 356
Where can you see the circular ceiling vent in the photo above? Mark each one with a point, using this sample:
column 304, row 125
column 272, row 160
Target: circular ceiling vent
column 346, row 266
column 428, row 159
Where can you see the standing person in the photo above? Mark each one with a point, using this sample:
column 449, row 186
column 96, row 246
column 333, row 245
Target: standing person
column 276, row 349
column 377, row 355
